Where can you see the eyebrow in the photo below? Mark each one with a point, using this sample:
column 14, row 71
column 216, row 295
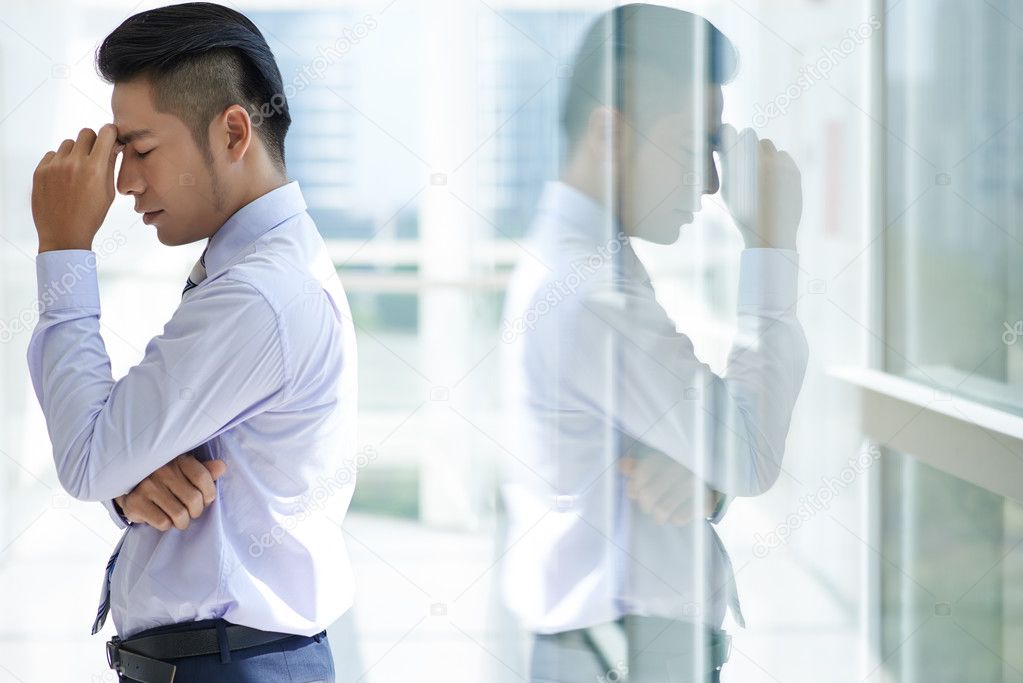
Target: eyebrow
column 140, row 133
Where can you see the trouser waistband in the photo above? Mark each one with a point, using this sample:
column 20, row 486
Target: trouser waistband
column 141, row 656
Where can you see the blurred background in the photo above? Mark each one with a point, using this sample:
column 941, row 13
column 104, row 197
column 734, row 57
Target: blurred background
column 423, row 133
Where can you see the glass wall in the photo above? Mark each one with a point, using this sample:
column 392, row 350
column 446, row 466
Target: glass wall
column 423, row 137
column 953, row 244
column 953, row 235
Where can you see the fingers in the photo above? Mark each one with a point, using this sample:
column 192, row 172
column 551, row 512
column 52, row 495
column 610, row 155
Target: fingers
column 176, row 493
column 152, row 492
column 42, row 162
column 643, row 472
column 671, row 494
column 139, row 509
column 216, row 468
column 194, row 477
column 89, row 144
column 665, row 489
column 65, row 148
column 84, row 143
column 702, row 507
column 661, row 492
column 106, row 146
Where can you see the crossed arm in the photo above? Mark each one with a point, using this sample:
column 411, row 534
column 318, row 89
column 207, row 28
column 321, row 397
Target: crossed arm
column 173, row 495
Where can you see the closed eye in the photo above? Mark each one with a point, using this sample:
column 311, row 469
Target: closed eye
column 142, row 155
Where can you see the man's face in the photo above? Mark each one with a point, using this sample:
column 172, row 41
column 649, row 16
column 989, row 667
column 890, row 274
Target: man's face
column 163, row 169
column 668, row 167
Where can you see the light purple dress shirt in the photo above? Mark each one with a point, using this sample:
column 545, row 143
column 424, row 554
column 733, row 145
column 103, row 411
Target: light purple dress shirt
column 592, row 363
column 257, row 367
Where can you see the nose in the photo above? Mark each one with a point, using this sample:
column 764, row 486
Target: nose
column 711, row 182
column 129, row 180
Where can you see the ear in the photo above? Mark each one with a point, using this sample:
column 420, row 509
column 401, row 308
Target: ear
column 236, row 132
column 607, row 133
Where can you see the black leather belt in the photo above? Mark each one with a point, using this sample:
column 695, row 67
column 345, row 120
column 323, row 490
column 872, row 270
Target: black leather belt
column 139, row 658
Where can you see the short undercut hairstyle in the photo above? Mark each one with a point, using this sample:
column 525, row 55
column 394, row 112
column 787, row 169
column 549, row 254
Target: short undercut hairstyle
column 200, row 58
column 645, row 61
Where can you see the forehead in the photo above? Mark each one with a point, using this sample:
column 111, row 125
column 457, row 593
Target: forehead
column 704, row 112
column 135, row 114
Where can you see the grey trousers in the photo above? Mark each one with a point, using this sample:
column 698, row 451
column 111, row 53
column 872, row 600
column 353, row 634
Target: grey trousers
column 632, row 649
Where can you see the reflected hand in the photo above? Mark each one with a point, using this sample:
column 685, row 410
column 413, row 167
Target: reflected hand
column 663, row 488
column 175, row 494
column 762, row 188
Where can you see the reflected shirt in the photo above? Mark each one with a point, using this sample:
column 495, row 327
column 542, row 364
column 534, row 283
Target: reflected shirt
column 594, row 369
column 257, row 367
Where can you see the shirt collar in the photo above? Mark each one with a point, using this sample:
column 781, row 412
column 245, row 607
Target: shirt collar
column 250, row 222
column 577, row 214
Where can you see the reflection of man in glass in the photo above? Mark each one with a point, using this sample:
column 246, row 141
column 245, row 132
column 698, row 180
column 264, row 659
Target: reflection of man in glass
column 626, row 447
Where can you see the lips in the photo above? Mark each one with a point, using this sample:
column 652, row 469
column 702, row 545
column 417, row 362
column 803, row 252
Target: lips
column 148, row 216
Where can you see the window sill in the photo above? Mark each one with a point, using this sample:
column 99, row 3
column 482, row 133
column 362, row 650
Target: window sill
column 969, row 440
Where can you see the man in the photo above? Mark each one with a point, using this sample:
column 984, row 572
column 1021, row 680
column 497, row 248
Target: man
column 254, row 375
column 627, row 447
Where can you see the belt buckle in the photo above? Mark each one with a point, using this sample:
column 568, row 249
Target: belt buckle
column 113, row 654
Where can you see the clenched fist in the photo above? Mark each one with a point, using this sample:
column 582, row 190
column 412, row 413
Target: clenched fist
column 175, row 494
column 664, row 488
column 762, row 189
column 73, row 188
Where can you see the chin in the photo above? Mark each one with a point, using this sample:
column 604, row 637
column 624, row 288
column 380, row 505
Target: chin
column 665, row 235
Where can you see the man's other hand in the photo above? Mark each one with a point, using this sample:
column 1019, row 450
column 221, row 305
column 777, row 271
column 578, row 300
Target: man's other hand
column 664, row 488
column 175, row 494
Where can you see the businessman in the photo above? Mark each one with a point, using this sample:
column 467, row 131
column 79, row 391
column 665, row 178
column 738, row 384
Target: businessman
column 234, row 436
column 627, row 447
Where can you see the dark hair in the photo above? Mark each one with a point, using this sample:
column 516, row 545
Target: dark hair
column 643, row 60
column 200, row 58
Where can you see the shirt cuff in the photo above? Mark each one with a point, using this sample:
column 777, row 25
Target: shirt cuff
column 722, row 507
column 768, row 279
column 121, row 521
column 66, row 278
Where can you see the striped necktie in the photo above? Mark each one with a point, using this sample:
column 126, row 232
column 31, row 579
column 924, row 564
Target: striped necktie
column 197, row 275
column 104, row 598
